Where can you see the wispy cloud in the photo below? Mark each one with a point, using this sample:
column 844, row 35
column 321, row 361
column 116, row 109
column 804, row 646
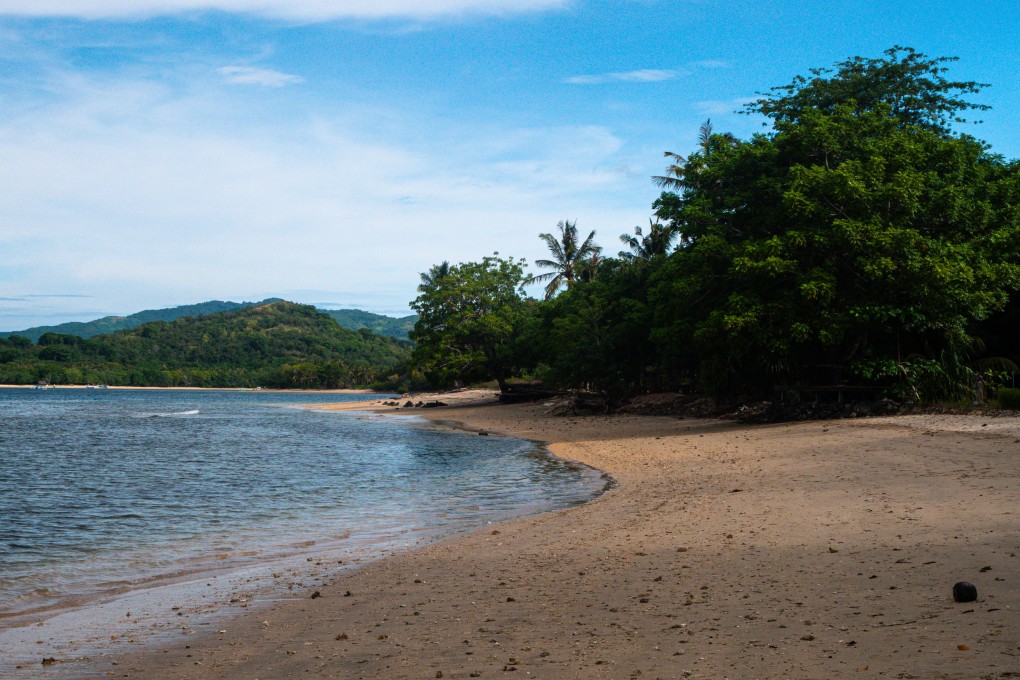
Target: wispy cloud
column 640, row 76
column 718, row 107
column 249, row 75
column 148, row 196
column 304, row 10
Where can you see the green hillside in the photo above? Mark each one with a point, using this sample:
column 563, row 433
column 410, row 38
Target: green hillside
column 276, row 344
column 111, row 324
column 353, row 319
column 377, row 323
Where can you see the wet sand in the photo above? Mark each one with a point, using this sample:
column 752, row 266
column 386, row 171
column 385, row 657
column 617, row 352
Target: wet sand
column 808, row 550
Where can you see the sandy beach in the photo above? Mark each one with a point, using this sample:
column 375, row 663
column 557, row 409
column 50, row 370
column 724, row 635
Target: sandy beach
column 807, row 550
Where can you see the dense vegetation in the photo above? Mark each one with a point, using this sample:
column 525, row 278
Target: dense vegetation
column 354, row 319
column 277, row 344
column 861, row 240
column 111, row 324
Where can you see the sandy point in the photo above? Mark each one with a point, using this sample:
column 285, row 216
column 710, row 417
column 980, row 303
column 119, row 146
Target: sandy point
column 807, row 550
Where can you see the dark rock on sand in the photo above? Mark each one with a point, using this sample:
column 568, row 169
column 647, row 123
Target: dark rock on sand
column 964, row 592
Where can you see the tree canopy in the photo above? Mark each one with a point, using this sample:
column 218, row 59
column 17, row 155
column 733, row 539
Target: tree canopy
column 278, row 344
column 467, row 321
column 860, row 240
column 905, row 84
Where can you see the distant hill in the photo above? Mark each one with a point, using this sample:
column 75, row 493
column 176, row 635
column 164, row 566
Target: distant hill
column 110, row 324
column 353, row 319
column 274, row 344
column 383, row 325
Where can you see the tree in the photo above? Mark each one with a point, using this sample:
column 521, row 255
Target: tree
column 673, row 179
column 568, row 257
column 433, row 276
column 468, row 321
column 655, row 244
column 860, row 239
column 906, row 84
column 595, row 335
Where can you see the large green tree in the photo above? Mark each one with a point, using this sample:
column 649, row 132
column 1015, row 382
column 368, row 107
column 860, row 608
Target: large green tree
column 861, row 237
column 468, row 321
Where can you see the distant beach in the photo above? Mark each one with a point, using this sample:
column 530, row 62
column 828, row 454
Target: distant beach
column 805, row 550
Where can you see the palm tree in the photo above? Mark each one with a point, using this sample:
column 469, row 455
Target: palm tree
column 588, row 270
column 568, row 257
column 434, row 275
column 657, row 242
column 673, row 179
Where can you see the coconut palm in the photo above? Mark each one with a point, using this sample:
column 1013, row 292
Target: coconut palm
column 568, row 257
column 673, row 179
column 434, row 275
column 656, row 242
column 588, row 269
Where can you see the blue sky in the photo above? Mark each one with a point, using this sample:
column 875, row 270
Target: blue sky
column 164, row 152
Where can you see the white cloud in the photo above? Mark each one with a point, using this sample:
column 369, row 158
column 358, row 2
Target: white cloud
column 143, row 197
column 248, row 75
column 314, row 10
column 640, row 76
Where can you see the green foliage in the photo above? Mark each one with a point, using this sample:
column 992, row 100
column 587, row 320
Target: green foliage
column 1009, row 398
column 111, row 324
column 278, row 344
column 570, row 258
column 859, row 241
column 356, row 319
column 468, row 321
column 657, row 243
column 595, row 335
column 907, row 84
column 845, row 243
column 352, row 319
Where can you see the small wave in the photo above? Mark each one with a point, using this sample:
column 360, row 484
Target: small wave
column 167, row 415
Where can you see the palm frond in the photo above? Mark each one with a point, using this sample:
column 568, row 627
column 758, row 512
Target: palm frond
column 539, row 278
column 588, row 247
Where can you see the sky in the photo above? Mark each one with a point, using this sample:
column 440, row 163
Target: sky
column 155, row 153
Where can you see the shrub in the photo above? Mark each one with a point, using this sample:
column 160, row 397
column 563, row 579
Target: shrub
column 1009, row 398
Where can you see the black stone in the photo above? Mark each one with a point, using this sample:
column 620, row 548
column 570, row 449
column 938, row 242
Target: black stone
column 964, row 592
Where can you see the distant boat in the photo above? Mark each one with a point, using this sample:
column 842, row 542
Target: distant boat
column 96, row 387
column 43, row 385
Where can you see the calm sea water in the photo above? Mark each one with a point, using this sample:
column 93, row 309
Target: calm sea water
column 105, row 491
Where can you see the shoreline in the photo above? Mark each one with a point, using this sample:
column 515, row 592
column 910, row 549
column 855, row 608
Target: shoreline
column 194, row 389
column 74, row 632
column 817, row 549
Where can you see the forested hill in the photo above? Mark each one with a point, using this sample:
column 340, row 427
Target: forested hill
column 277, row 344
column 111, row 324
column 353, row 319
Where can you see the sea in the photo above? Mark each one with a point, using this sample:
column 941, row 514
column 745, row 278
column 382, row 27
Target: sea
column 123, row 509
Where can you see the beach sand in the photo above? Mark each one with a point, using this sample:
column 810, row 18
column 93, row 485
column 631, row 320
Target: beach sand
column 806, row 550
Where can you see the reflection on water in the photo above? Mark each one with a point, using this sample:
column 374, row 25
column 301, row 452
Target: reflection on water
column 103, row 491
